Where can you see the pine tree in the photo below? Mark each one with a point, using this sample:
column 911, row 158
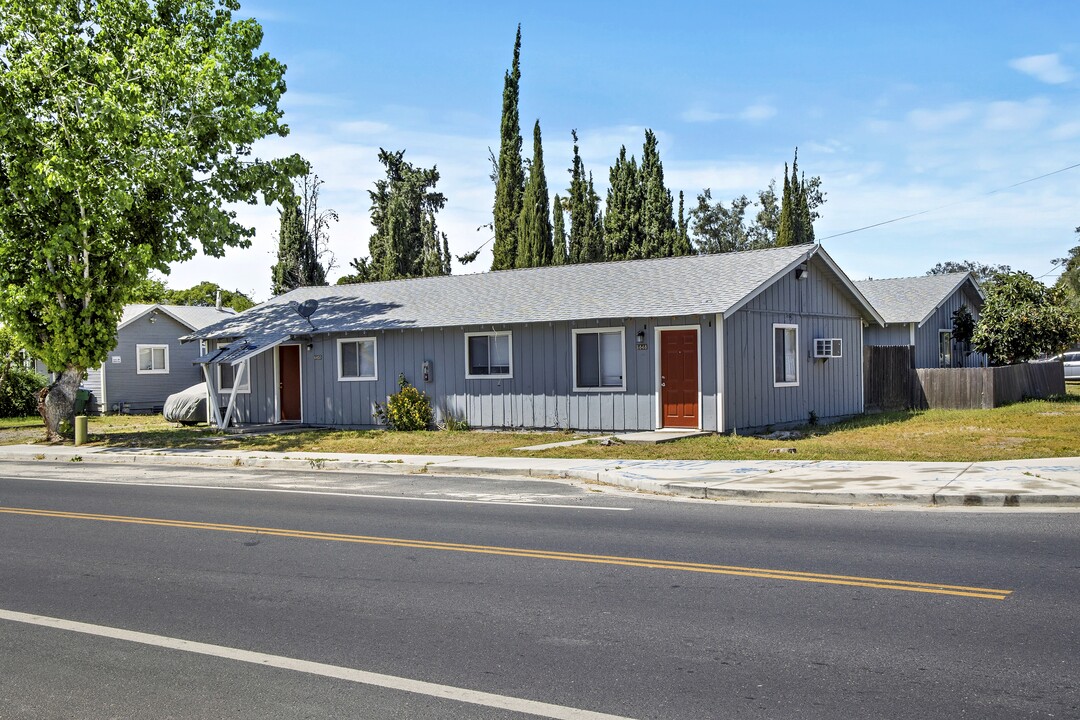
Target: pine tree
column 406, row 242
column 510, row 184
column 302, row 238
column 658, row 223
column 622, row 220
column 558, row 232
column 534, row 247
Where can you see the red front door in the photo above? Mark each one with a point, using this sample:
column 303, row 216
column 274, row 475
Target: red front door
column 679, row 378
column 289, row 382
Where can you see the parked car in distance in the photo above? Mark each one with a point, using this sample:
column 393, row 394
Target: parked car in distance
column 1071, row 361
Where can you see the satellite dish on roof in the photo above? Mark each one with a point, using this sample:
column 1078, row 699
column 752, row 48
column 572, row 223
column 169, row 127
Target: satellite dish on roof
column 306, row 309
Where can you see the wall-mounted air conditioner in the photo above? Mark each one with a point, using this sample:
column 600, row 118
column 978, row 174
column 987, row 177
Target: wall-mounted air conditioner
column 828, row 348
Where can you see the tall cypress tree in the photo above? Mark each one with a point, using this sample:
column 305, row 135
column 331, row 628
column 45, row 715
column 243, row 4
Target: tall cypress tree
column 510, row 185
column 622, row 220
column 785, row 234
column 580, row 219
column 558, row 231
column 682, row 232
column 796, row 220
column 806, row 220
column 594, row 231
column 658, row 223
column 534, row 247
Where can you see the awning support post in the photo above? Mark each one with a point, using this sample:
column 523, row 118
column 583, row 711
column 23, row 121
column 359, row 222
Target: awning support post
column 238, row 378
column 214, row 403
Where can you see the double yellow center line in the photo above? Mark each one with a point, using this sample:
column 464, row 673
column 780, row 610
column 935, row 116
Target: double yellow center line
column 792, row 575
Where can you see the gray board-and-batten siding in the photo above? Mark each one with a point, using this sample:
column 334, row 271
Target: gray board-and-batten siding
column 539, row 394
column 831, row 389
column 732, row 301
column 125, row 385
column 926, row 337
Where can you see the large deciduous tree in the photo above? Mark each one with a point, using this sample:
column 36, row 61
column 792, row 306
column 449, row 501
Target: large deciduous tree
column 206, row 294
column 1069, row 281
column 126, row 127
column 1022, row 318
column 510, row 177
column 983, row 272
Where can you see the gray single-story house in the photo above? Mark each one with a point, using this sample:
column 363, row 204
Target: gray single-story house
column 919, row 311
column 713, row 342
column 149, row 362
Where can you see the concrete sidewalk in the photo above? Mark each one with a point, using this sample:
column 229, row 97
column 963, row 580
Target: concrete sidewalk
column 1054, row 481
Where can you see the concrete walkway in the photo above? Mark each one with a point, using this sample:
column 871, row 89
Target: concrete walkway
column 1054, row 481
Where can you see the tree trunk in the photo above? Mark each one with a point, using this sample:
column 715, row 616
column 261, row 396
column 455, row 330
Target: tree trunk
column 56, row 404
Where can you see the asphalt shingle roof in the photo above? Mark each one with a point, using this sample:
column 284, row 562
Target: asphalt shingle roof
column 911, row 299
column 691, row 285
column 194, row 316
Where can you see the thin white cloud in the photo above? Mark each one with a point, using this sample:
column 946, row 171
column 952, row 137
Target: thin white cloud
column 1016, row 116
column 927, row 119
column 755, row 112
column 1044, row 68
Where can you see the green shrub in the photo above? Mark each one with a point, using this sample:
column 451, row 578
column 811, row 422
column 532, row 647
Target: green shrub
column 19, row 392
column 407, row 409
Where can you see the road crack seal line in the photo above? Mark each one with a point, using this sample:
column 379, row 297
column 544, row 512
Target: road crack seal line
column 762, row 573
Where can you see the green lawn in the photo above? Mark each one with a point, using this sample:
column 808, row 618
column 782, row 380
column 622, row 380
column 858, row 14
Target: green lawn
column 1036, row 428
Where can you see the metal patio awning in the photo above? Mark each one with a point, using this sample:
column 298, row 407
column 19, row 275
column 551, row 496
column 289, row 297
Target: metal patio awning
column 235, row 353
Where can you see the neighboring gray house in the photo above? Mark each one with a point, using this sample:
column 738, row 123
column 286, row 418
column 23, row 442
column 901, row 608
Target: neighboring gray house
column 714, row 342
column 149, row 363
column 919, row 311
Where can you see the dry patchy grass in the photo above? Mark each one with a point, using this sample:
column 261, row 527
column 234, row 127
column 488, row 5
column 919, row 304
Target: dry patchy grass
column 1030, row 429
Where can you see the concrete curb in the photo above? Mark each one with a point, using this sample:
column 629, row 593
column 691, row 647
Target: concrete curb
column 626, row 475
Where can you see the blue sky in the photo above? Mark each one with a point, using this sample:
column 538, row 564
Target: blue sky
column 899, row 107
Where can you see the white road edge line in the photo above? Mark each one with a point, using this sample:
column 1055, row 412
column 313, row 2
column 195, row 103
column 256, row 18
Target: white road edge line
column 321, row 492
column 448, row 692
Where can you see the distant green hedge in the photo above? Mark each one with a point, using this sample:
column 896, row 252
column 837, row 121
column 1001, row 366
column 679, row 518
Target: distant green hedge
column 18, row 394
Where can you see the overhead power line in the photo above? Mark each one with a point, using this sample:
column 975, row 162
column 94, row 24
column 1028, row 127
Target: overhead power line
column 949, row 205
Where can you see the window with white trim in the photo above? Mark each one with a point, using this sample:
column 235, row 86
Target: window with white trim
column 226, row 376
column 599, row 359
column 785, row 355
column 489, row 355
column 152, row 359
column 945, row 353
column 357, row 359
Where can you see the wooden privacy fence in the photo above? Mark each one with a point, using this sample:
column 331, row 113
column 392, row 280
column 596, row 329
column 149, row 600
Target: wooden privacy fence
column 891, row 382
column 888, row 377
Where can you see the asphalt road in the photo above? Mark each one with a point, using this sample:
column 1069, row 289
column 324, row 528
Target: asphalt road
column 446, row 598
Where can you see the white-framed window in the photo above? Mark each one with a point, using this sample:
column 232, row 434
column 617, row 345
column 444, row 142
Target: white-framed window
column 152, row 359
column 785, row 355
column 226, row 376
column 599, row 359
column 357, row 359
column 489, row 355
column 945, row 354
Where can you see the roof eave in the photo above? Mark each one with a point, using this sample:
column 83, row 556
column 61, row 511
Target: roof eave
column 159, row 308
